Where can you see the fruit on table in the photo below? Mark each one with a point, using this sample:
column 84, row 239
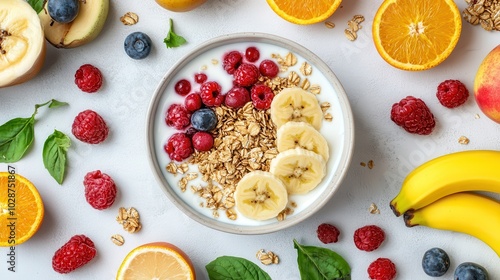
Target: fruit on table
column 89, row 127
column 75, row 253
column 465, row 212
column 475, row 170
column 300, row 170
column 303, row 135
column 470, row 270
column 487, row 85
column 435, row 262
column 22, row 45
column 137, row 45
column 83, row 29
column 452, row 93
column 27, row 209
column 63, row 11
column 368, row 238
column 382, row 268
column 157, row 260
column 100, row 189
column 304, row 11
column 296, row 104
column 88, row 78
column 180, row 5
column 327, row 233
column 413, row 115
column 416, row 34
column 260, row 195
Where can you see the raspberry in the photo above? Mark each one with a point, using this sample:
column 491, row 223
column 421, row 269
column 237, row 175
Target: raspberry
column 262, row 96
column 382, row 269
column 203, row 141
column 179, row 147
column 211, row 95
column 177, row 117
column 252, row 54
column 269, row 68
column 88, row 78
column 200, row 78
column 182, row 87
column 78, row 251
column 237, row 97
column 327, row 233
column 413, row 115
column 90, row 127
column 231, row 61
column 100, row 190
column 246, row 75
column 193, row 102
column 452, row 93
column 368, row 238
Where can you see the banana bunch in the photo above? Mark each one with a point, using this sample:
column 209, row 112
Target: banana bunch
column 300, row 164
column 440, row 194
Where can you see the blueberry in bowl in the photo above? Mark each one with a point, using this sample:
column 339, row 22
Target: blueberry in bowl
column 137, row 45
column 204, row 119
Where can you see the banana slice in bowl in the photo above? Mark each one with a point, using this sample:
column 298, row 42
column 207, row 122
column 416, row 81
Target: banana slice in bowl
column 303, row 135
column 300, row 170
column 296, row 104
column 260, row 196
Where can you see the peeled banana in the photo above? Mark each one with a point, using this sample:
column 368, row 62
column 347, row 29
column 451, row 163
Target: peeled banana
column 260, row 195
column 300, row 170
column 22, row 43
column 300, row 134
column 477, row 170
column 296, row 104
column 464, row 212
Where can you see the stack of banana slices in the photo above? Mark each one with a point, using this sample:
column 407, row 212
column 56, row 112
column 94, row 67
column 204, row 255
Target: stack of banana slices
column 300, row 164
column 443, row 194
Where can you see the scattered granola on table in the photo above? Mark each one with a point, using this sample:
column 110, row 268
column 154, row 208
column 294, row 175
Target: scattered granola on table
column 483, row 12
column 267, row 258
column 129, row 219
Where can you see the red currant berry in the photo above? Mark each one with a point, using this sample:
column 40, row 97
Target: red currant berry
column 203, row 141
column 192, row 102
column 252, row 54
column 262, row 96
column 183, row 87
column 269, row 68
column 200, row 78
column 237, row 97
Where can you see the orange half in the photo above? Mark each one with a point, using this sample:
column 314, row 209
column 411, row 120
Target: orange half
column 304, row 11
column 416, row 34
column 21, row 209
column 159, row 260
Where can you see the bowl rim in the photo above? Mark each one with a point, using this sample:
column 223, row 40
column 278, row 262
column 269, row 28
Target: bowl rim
column 345, row 159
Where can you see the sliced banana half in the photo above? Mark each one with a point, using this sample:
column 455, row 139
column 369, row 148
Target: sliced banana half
column 260, row 196
column 300, row 170
column 22, row 42
column 302, row 135
column 296, row 104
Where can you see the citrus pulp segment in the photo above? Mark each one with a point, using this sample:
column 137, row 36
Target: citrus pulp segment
column 304, row 11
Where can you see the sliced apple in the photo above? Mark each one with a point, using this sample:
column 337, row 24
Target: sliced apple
column 85, row 28
column 22, row 46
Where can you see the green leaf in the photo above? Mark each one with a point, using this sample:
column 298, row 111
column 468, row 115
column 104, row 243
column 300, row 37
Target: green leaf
column 37, row 5
column 235, row 268
column 321, row 263
column 16, row 136
column 173, row 40
column 54, row 154
column 56, row 104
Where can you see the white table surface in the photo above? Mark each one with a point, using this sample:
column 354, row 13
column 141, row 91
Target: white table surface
column 371, row 84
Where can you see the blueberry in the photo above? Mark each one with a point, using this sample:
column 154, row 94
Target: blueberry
column 204, row 119
column 137, row 45
column 435, row 262
column 63, row 11
column 470, row 271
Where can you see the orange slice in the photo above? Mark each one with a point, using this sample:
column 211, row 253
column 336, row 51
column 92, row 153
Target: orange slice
column 304, row 11
column 159, row 260
column 416, row 34
column 21, row 209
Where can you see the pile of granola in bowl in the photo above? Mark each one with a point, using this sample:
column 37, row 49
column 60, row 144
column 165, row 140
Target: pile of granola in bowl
column 250, row 133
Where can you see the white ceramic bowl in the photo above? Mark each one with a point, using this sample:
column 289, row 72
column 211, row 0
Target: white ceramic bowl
column 339, row 132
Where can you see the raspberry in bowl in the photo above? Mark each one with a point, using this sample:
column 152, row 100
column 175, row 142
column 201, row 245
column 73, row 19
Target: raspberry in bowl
column 241, row 128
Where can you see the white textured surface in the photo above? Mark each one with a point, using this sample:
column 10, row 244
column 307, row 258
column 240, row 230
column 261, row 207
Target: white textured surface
column 371, row 84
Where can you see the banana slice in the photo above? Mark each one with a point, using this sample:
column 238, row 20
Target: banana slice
column 22, row 43
column 300, row 170
column 296, row 104
column 260, row 196
column 303, row 135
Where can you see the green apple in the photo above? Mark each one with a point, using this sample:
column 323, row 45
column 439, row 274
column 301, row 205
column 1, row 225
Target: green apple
column 85, row 28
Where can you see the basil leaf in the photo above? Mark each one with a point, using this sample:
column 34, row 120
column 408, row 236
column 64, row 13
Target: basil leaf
column 37, row 5
column 235, row 268
column 56, row 104
column 54, row 154
column 321, row 263
column 16, row 137
column 173, row 40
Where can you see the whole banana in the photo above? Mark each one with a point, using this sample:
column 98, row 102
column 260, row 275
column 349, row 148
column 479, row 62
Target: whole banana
column 464, row 212
column 477, row 170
